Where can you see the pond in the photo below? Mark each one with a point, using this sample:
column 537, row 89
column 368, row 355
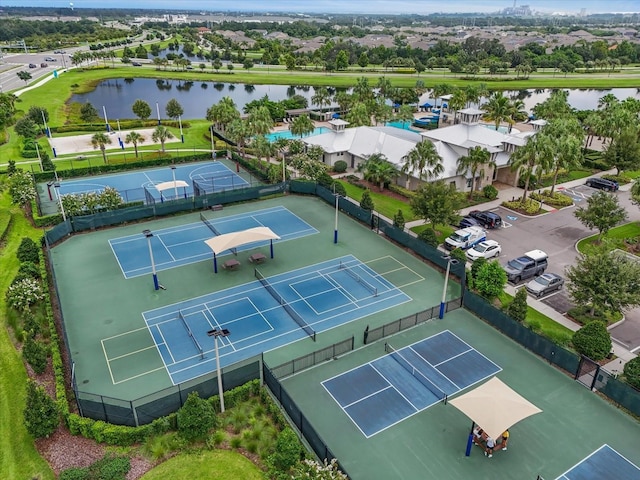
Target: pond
column 118, row 95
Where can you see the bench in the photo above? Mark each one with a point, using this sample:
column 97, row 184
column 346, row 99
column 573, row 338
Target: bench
column 257, row 258
column 231, row 264
column 215, row 208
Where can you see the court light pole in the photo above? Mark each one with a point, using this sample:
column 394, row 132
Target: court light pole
column 443, row 303
column 175, row 187
column 56, row 185
column 147, row 233
column 335, row 228
column 215, row 333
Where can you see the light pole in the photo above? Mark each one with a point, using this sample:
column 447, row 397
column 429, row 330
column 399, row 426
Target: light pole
column 335, row 228
column 175, row 187
column 56, row 185
column 158, row 112
column 180, row 123
column 443, row 303
column 147, row 233
column 215, row 333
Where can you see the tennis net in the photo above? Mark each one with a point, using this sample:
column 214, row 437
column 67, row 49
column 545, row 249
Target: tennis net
column 358, row 278
column 292, row 313
column 417, row 374
column 209, row 224
column 195, row 342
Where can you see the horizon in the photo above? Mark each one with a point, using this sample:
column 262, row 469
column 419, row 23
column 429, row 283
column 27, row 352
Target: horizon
column 360, row 7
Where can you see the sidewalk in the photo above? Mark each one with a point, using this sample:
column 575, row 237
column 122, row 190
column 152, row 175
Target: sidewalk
column 623, row 355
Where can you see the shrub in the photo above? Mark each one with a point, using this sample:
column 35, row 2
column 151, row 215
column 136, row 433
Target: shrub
column 41, row 413
column 195, row 418
column 366, row 202
column 490, row 192
column 428, row 236
column 632, row 372
column 110, row 467
column 29, row 269
column 405, row 192
column 458, row 254
column 340, row 166
column 28, row 251
column 529, row 207
column 338, row 188
column 24, row 293
column 518, row 308
column 490, row 280
column 593, row 340
column 556, row 200
column 313, row 470
column 35, row 353
column 288, row 451
column 398, row 220
column 475, row 267
column 74, row 474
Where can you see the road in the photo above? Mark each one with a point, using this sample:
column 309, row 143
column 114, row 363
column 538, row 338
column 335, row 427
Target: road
column 556, row 233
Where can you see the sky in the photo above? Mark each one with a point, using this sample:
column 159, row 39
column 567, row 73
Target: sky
column 361, row 7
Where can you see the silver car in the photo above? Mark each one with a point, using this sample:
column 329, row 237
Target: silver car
column 544, row 284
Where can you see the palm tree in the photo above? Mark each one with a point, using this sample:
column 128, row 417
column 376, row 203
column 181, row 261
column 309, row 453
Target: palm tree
column 223, row 113
column 405, row 114
column 384, row 87
column 101, row 140
column 377, row 169
column 161, row 134
column 440, row 90
column 474, row 162
column 458, row 101
column 263, row 147
column 517, row 113
column 344, row 101
column 424, row 160
column 528, row 158
column 302, row 126
column 564, row 139
column 362, row 90
column 321, row 97
column 497, row 109
column 472, row 94
column 359, row 115
column 135, row 138
column 238, row 132
column 260, row 121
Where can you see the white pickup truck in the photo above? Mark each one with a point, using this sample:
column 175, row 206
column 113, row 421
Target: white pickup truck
column 465, row 238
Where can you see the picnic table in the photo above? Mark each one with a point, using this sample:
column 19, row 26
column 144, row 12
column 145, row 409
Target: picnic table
column 231, row 264
column 257, row 258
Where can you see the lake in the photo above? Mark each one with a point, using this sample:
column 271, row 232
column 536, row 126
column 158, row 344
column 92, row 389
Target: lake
column 118, row 95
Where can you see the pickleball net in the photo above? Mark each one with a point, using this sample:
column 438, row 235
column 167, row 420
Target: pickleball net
column 417, row 374
column 358, row 278
column 195, row 342
column 278, row 298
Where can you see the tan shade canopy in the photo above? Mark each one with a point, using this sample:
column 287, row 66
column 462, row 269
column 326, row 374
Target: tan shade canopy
column 235, row 239
column 494, row 406
column 167, row 185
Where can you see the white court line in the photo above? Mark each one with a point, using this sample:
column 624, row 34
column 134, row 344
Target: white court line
column 389, row 386
column 435, row 367
column 104, row 351
column 394, row 387
column 344, row 411
column 166, row 248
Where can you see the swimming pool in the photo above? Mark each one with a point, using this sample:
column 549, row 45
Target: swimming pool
column 502, row 129
column 402, row 125
column 289, row 136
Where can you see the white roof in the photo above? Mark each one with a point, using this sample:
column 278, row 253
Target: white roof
column 227, row 241
column 468, row 136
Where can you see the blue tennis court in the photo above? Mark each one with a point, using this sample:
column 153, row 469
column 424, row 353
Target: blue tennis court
column 322, row 296
column 211, row 176
column 390, row 389
column 603, row 463
column 182, row 245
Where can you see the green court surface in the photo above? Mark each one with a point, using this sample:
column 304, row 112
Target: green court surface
column 431, row 444
column 113, row 352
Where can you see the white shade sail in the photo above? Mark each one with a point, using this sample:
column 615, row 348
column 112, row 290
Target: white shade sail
column 227, row 241
column 494, row 406
column 167, row 185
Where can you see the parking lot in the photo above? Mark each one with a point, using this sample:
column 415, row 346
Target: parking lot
column 557, row 233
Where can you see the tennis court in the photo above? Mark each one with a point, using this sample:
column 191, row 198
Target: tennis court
column 390, row 389
column 603, row 463
column 263, row 315
column 184, row 244
column 140, row 185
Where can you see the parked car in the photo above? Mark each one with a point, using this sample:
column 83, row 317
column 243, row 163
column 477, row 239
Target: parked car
column 602, row 184
column 486, row 218
column 136, row 64
column 32, row 65
column 465, row 238
column 44, row 65
column 544, row 284
column 531, row 264
column 487, row 249
column 469, row 222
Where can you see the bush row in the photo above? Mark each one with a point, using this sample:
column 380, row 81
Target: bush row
column 556, row 200
column 529, row 207
column 405, row 192
column 124, row 125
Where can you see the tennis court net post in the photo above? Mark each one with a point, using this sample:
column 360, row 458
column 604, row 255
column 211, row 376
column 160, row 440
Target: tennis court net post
column 358, row 278
column 417, row 374
column 290, row 311
column 195, row 342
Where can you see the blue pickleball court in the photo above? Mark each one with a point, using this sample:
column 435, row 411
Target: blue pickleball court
column 390, row 389
column 603, row 463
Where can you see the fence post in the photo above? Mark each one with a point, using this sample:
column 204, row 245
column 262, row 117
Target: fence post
column 366, row 334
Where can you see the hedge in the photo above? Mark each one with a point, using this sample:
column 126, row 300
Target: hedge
column 124, row 125
column 557, row 200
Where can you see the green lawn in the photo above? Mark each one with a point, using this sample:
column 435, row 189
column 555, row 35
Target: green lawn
column 616, row 235
column 206, row 465
column 443, row 231
column 385, row 205
column 19, row 459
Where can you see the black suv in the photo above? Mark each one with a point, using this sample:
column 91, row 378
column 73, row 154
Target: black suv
column 603, row 184
column 487, row 219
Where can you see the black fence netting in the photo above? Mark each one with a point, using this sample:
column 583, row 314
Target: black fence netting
column 529, row 339
column 620, row 392
column 313, row 358
column 297, row 417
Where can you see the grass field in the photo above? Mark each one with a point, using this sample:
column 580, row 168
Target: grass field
column 616, row 235
column 206, row 465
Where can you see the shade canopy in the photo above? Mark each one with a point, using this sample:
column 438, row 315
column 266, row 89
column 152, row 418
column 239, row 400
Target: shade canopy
column 167, row 185
column 494, row 406
column 231, row 240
